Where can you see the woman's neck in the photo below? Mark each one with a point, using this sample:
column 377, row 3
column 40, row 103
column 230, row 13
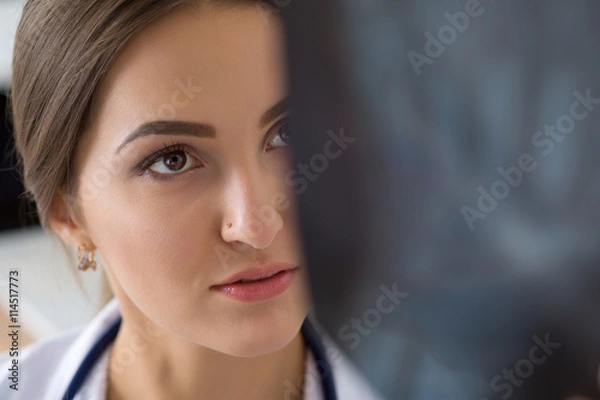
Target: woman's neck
column 159, row 365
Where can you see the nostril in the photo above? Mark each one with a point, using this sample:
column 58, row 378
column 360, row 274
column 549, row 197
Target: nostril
column 257, row 229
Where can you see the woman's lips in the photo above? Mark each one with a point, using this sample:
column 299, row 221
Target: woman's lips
column 259, row 283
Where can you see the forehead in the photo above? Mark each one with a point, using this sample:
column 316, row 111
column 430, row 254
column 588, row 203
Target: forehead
column 218, row 65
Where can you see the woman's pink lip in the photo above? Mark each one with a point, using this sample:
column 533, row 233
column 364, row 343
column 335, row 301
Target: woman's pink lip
column 252, row 274
column 262, row 289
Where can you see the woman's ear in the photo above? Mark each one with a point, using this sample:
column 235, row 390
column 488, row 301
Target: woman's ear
column 63, row 220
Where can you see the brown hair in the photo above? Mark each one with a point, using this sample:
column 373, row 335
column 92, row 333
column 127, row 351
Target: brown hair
column 63, row 49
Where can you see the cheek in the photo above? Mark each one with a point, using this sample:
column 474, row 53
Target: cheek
column 151, row 243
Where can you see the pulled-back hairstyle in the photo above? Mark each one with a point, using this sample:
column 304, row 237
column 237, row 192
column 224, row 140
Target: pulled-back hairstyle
column 63, row 49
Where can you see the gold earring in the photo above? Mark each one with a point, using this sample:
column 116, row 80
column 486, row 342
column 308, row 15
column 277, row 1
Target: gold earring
column 229, row 225
column 85, row 258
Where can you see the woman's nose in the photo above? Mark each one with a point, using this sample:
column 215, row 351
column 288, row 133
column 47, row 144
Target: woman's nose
column 248, row 217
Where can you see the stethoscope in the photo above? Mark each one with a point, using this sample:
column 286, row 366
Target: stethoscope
column 308, row 332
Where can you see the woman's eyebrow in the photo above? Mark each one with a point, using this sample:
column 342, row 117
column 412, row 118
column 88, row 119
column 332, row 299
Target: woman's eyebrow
column 176, row 127
column 275, row 111
column 173, row 127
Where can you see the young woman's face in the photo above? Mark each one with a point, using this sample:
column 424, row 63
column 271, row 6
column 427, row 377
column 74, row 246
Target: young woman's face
column 180, row 206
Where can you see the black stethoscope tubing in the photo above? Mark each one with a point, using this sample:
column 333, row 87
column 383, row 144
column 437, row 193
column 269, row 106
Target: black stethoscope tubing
column 310, row 336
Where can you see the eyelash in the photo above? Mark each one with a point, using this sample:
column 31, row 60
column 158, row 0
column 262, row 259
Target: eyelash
column 143, row 166
column 273, row 130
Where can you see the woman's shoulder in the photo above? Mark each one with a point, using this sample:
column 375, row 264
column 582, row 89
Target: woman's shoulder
column 26, row 373
column 42, row 370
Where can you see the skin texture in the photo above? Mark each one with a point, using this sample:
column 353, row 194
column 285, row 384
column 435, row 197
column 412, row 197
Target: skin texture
column 164, row 242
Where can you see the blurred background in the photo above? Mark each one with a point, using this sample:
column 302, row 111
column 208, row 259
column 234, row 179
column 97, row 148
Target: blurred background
column 453, row 239
column 465, row 192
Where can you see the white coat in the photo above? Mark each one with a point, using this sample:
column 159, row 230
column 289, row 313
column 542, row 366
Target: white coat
column 46, row 367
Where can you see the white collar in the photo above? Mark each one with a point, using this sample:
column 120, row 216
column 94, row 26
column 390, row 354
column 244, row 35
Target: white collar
column 56, row 360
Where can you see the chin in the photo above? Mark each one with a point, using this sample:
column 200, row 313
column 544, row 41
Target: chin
column 259, row 337
column 261, row 348
column 265, row 329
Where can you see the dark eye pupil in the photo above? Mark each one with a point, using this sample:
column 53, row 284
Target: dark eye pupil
column 283, row 133
column 175, row 161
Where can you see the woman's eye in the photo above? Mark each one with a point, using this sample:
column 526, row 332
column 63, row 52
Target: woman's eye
column 172, row 163
column 281, row 136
